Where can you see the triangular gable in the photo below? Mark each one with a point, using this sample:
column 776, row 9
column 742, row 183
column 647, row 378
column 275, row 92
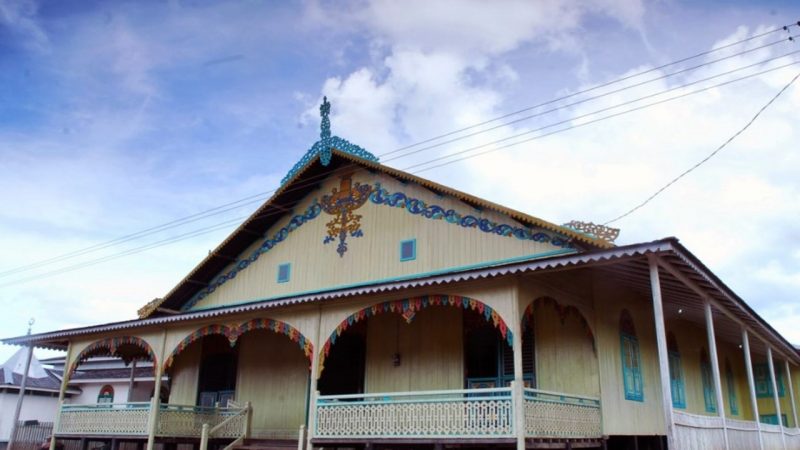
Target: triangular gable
column 325, row 160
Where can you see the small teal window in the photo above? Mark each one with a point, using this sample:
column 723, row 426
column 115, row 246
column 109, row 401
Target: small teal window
column 708, row 382
column 772, row 419
column 408, row 250
column 677, row 387
column 764, row 380
column 731, row 382
column 284, row 272
column 631, row 359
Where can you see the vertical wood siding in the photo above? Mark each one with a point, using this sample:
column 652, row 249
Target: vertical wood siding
column 375, row 255
column 185, row 372
column 565, row 359
column 431, row 349
column 273, row 377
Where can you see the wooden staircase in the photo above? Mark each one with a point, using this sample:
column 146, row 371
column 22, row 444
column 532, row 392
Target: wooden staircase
column 267, row 444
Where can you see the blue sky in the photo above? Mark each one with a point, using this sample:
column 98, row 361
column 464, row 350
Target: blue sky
column 119, row 116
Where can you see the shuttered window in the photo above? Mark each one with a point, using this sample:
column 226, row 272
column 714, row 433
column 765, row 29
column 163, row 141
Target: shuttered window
column 631, row 359
column 709, row 396
column 676, row 380
column 731, row 382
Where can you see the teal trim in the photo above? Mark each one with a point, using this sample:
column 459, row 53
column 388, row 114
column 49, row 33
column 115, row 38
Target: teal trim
column 763, row 381
column 772, row 419
column 709, row 396
column 677, row 385
column 284, row 272
column 483, row 265
column 733, row 403
column 631, row 367
column 413, row 250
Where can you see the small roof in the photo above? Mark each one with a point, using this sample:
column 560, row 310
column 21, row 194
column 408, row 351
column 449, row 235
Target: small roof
column 39, row 378
column 16, row 365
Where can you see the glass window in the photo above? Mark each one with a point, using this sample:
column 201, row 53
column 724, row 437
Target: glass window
column 106, row 395
column 284, row 272
column 675, row 373
column 764, row 380
column 631, row 360
column 708, row 382
column 731, row 382
column 408, row 250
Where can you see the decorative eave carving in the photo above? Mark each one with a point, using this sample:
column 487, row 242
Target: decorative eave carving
column 598, row 231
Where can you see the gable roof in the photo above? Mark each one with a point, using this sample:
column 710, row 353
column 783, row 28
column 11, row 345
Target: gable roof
column 304, row 179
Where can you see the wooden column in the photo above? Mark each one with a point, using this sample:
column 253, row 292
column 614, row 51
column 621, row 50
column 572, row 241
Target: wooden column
column 132, row 380
column 311, row 417
column 748, row 362
column 155, row 404
column 712, row 348
column 518, row 400
column 777, row 400
column 663, row 361
column 61, row 393
column 791, row 394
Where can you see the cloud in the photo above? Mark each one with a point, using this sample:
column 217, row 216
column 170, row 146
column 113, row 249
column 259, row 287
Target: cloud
column 20, row 16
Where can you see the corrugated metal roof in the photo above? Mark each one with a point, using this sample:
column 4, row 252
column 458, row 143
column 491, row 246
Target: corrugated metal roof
column 628, row 262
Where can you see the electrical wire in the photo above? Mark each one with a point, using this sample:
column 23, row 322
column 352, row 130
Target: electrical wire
column 227, row 207
column 227, row 223
column 708, row 157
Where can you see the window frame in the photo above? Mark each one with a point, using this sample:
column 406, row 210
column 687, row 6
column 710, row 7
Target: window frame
column 633, row 389
column 413, row 243
column 106, row 395
column 288, row 267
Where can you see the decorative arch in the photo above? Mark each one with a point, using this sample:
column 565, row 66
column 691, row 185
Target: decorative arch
column 111, row 346
column 233, row 332
column 563, row 311
column 409, row 307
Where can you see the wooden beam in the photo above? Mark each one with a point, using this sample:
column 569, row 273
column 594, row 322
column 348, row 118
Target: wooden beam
column 224, row 257
column 775, row 394
column 168, row 310
column 712, row 348
column 748, row 361
column 197, row 282
column 704, row 295
column 791, row 392
column 661, row 340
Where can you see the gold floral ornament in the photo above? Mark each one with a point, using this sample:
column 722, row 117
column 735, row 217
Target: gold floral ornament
column 603, row 232
column 341, row 203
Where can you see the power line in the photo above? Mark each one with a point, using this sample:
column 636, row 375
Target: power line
column 312, row 181
column 709, row 156
column 572, row 119
column 227, row 207
column 598, row 86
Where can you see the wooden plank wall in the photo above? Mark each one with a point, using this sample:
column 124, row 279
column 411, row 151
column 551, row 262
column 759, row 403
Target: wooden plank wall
column 273, row 376
column 375, row 255
column 185, row 372
column 431, row 349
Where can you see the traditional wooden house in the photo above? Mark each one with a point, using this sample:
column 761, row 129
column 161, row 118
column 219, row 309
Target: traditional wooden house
column 362, row 306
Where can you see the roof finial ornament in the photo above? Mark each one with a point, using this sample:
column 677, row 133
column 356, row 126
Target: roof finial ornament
column 325, row 125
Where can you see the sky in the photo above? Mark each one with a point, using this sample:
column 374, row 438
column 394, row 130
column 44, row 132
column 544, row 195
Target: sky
column 116, row 117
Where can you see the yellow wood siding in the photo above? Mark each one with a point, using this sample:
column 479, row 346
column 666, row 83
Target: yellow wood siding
column 184, row 376
column 620, row 416
column 431, row 349
column 273, row 377
column 565, row 360
column 375, row 255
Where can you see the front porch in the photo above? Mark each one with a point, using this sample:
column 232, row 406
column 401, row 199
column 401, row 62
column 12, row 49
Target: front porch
column 492, row 416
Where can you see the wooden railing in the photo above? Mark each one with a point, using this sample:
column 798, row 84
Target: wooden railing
column 129, row 419
column 700, row 431
column 471, row 413
column 135, row 419
column 236, row 426
column 559, row 415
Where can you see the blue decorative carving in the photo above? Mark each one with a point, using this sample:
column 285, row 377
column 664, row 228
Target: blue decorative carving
column 326, row 143
column 311, row 213
column 416, row 206
column 348, row 197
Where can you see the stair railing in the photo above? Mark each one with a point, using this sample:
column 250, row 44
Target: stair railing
column 207, row 432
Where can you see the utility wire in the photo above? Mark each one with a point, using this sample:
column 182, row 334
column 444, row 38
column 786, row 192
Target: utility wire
column 261, row 196
column 708, row 157
column 599, row 86
column 227, row 223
